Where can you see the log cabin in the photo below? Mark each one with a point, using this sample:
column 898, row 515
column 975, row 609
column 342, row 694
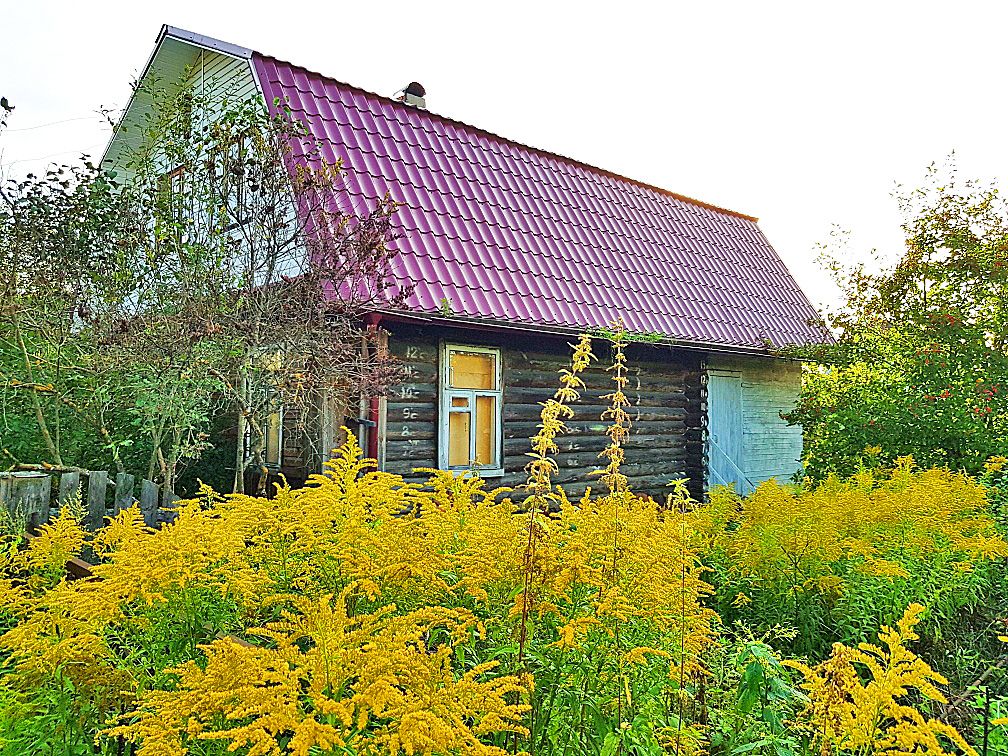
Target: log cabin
column 512, row 252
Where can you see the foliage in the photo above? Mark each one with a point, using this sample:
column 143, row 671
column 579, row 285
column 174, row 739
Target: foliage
column 259, row 263
column 72, row 244
column 376, row 614
column 836, row 560
column 752, row 697
column 362, row 563
column 365, row 614
column 919, row 364
column 847, row 714
column 995, row 480
column 220, row 267
column 348, row 689
column 62, row 241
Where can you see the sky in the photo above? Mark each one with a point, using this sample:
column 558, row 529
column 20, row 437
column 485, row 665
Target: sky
column 804, row 114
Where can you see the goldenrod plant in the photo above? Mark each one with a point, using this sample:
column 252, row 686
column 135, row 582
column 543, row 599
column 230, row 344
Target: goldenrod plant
column 835, row 560
column 862, row 700
column 365, row 614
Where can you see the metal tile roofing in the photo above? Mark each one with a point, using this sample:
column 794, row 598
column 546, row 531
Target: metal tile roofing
column 497, row 231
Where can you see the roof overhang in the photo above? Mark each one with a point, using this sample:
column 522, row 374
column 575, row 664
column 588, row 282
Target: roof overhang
column 455, row 321
column 207, row 43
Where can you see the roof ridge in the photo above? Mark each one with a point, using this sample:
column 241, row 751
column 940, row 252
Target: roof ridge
column 542, row 151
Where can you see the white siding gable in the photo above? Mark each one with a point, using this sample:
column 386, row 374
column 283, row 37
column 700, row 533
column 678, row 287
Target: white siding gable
column 212, row 73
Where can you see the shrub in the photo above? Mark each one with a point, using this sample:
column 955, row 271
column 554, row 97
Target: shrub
column 918, row 364
column 858, row 698
column 365, row 613
column 360, row 612
column 837, row 560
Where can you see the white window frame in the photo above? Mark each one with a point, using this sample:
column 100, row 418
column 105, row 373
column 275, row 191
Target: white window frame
column 446, row 392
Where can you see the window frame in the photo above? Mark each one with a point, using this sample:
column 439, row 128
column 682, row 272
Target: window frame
column 279, row 415
column 267, row 395
column 231, row 189
column 265, row 429
column 250, row 440
column 445, row 395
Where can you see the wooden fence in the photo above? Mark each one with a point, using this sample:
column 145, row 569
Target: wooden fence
column 33, row 497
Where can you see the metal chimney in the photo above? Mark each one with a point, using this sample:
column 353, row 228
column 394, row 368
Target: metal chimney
column 414, row 94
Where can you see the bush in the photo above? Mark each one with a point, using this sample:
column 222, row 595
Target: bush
column 360, row 612
column 364, row 614
column 918, row 362
column 837, row 560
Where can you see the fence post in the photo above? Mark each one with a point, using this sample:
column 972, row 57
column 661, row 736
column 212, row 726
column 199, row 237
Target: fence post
column 97, row 486
column 149, row 503
column 69, row 485
column 123, row 492
column 25, row 495
column 168, row 499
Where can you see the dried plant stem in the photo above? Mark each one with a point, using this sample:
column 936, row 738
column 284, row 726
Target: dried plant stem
column 616, row 481
column 540, row 469
column 682, row 626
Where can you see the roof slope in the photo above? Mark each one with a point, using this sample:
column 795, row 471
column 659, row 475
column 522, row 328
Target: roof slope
column 494, row 230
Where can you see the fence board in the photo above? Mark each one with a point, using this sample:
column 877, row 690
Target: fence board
column 28, row 494
column 168, row 499
column 123, row 492
column 97, row 487
column 46, row 500
column 69, row 485
column 25, row 495
column 149, row 503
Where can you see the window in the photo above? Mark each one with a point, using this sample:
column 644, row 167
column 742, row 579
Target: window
column 175, row 184
column 471, row 409
column 268, row 404
column 272, row 433
column 171, row 196
column 272, row 454
column 228, row 173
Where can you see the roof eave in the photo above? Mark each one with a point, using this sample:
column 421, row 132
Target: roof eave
column 569, row 331
column 208, row 43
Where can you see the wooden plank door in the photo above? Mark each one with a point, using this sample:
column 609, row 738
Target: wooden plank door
column 724, row 431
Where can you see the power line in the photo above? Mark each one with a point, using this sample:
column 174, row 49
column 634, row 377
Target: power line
column 84, row 151
column 52, row 123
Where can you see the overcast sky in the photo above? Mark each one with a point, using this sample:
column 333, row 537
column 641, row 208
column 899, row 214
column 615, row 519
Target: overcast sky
column 804, row 114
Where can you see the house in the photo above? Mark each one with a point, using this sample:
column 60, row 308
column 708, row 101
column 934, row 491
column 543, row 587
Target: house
column 514, row 251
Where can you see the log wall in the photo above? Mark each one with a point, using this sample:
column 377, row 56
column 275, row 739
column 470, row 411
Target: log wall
column 664, row 389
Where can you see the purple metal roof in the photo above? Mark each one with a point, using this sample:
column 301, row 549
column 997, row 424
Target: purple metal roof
column 501, row 232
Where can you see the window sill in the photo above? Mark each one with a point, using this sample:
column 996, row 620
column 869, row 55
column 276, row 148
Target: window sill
column 497, row 473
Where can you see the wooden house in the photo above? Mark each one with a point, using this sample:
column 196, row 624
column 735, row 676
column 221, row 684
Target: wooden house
column 513, row 252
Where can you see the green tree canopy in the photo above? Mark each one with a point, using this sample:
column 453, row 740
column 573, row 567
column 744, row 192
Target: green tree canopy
column 919, row 364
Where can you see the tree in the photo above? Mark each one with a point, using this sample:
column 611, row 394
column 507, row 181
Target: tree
column 258, row 266
column 919, row 365
column 220, row 267
column 63, row 237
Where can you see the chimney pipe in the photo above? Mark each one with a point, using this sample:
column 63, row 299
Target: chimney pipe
column 413, row 94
